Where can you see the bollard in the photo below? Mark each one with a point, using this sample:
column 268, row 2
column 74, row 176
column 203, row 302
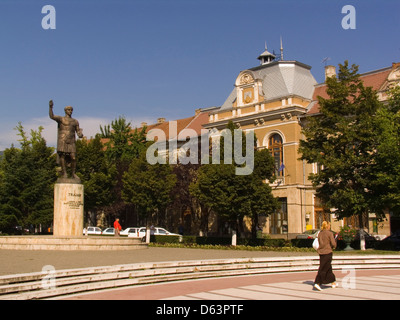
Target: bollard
column 234, row 238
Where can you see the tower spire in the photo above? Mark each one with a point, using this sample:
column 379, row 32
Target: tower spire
column 281, row 50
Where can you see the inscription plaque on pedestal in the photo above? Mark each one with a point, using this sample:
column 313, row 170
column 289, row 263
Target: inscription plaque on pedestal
column 68, row 209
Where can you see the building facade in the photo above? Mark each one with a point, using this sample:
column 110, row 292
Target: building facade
column 271, row 100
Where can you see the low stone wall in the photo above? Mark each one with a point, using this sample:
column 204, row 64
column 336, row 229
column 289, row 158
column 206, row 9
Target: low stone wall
column 70, row 243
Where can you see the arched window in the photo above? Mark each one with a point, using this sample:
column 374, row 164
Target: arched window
column 279, row 219
column 275, row 147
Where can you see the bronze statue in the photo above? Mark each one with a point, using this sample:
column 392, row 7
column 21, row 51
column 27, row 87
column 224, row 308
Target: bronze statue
column 66, row 148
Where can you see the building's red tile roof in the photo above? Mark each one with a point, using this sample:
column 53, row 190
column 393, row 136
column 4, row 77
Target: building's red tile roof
column 194, row 123
column 374, row 79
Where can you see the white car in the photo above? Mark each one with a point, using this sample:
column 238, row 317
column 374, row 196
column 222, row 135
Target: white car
column 108, row 232
column 131, row 232
column 140, row 233
column 161, row 231
column 92, row 230
column 153, row 231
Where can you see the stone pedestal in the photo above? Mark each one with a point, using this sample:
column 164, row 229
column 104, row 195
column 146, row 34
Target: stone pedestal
column 68, row 209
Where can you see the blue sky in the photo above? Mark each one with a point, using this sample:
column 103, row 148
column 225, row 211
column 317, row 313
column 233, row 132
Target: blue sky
column 145, row 59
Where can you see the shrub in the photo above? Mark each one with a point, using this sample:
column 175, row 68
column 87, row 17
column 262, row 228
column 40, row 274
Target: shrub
column 221, row 241
column 214, row 240
column 263, row 242
column 302, row 243
column 164, row 239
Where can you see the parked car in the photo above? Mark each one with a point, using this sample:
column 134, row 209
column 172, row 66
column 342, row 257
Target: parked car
column 153, row 231
column 92, row 230
column 162, row 231
column 370, row 241
column 390, row 243
column 308, row 234
column 131, row 232
column 379, row 236
column 108, row 232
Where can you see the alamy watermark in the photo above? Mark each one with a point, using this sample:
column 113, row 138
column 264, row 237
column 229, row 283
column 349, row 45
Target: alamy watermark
column 49, row 20
column 49, row 279
column 349, row 280
column 349, row 20
column 190, row 152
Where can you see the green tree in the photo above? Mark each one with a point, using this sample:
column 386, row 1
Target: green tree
column 97, row 173
column 26, row 182
column 10, row 215
column 183, row 201
column 122, row 145
column 148, row 187
column 342, row 140
column 233, row 196
column 385, row 169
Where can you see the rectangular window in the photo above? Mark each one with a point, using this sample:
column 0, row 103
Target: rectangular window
column 321, row 214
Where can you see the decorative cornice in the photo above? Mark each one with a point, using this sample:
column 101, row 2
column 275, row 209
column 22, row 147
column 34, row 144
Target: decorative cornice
column 287, row 112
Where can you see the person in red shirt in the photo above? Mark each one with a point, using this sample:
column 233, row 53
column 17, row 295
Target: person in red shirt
column 117, row 227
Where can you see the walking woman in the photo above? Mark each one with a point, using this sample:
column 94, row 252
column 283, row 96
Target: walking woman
column 326, row 244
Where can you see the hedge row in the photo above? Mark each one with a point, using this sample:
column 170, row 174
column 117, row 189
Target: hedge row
column 377, row 245
column 275, row 243
column 227, row 241
column 307, row 243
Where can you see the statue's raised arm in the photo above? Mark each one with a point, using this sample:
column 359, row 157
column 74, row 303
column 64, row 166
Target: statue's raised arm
column 51, row 114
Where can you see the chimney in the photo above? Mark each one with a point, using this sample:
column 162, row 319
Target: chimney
column 330, row 71
column 160, row 120
column 143, row 124
column 395, row 65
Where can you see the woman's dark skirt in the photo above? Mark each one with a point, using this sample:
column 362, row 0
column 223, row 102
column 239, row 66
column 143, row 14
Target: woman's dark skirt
column 325, row 274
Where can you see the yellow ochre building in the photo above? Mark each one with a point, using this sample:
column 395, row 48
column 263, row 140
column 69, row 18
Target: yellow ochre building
column 273, row 99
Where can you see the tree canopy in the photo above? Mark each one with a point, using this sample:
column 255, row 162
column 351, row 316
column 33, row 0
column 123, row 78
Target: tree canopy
column 347, row 140
column 385, row 170
column 148, row 186
column 27, row 175
column 233, row 196
column 122, row 145
column 97, row 173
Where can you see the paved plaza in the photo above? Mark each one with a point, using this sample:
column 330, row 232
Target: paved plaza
column 367, row 285
column 360, row 285
column 25, row 261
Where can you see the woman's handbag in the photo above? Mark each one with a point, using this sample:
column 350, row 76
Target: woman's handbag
column 315, row 243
